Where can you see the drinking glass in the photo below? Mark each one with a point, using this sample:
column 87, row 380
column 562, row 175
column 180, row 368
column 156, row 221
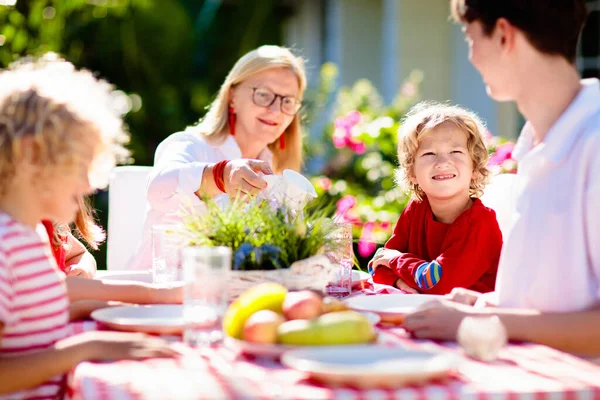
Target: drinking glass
column 342, row 255
column 166, row 253
column 205, row 275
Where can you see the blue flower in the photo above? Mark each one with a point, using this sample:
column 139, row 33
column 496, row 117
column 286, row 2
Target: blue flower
column 272, row 252
column 241, row 254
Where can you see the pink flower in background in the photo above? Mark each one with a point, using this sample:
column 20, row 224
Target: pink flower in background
column 344, row 205
column 342, row 135
column 357, row 146
column 354, row 118
column 339, row 139
column 366, row 244
column 503, row 153
column 385, row 225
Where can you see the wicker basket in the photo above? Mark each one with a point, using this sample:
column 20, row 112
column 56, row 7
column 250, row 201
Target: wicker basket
column 313, row 273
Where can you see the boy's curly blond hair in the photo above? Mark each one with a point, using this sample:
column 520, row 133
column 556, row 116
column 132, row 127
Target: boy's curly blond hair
column 423, row 119
column 64, row 111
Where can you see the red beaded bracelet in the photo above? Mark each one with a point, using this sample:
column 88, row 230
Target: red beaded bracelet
column 218, row 170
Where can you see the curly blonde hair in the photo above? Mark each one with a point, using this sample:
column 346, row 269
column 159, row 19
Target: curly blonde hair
column 421, row 120
column 258, row 60
column 65, row 112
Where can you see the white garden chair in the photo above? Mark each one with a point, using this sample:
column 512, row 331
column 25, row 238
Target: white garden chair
column 499, row 196
column 126, row 211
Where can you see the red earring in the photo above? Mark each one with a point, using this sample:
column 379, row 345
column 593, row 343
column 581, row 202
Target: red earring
column 282, row 141
column 231, row 117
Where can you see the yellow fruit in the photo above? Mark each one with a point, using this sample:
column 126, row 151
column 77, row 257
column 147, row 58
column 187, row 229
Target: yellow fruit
column 344, row 327
column 266, row 296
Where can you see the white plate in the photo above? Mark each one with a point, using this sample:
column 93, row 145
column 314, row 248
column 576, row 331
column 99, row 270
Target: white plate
column 156, row 318
column 136, row 276
column 371, row 366
column 359, row 277
column 390, row 307
column 276, row 350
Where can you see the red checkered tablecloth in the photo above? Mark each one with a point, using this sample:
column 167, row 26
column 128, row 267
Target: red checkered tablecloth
column 525, row 371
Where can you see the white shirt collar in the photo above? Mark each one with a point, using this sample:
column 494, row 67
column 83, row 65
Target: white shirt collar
column 564, row 133
column 232, row 150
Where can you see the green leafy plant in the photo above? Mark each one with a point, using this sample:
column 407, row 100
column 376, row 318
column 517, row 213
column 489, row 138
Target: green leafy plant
column 261, row 235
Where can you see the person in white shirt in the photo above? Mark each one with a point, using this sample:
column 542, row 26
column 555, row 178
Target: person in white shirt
column 548, row 284
column 252, row 127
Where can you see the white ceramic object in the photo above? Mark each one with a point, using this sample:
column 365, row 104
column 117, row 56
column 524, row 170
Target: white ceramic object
column 157, row 318
column 290, row 188
column 298, row 184
column 276, row 350
column 359, row 277
column 371, row 366
column 390, row 307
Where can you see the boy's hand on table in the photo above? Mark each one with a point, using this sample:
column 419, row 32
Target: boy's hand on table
column 383, row 257
column 400, row 284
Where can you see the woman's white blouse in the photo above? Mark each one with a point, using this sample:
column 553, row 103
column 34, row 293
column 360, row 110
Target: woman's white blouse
column 179, row 163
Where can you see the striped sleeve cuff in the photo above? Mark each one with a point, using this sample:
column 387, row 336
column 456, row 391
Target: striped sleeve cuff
column 427, row 275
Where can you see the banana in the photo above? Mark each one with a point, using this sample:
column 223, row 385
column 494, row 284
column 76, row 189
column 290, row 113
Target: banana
column 266, row 296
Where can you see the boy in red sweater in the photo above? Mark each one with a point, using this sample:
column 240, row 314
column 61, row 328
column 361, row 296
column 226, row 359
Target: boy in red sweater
column 446, row 237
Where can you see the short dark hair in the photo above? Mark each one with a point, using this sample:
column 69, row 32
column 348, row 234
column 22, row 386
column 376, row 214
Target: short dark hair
column 552, row 26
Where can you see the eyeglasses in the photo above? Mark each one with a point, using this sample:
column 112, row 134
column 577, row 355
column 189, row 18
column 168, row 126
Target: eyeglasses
column 265, row 98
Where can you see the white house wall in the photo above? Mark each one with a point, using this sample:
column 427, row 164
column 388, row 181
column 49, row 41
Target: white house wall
column 356, row 37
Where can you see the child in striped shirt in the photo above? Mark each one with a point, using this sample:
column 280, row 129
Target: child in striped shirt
column 57, row 132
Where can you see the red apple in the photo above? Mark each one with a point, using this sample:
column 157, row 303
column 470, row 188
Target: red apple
column 303, row 304
column 262, row 326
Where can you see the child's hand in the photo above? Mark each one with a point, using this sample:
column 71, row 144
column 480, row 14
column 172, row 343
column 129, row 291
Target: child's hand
column 112, row 346
column 463, row 296
column 383, row 257
column 75, row 270
column 82, row 309
column 400, row 284
column 171, row 293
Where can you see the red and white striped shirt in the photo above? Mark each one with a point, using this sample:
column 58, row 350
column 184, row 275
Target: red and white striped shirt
column 34, row 307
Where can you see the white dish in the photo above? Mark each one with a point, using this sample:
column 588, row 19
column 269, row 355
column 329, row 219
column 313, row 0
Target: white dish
column 136, row 276
column 359, row 277
column 390, row 307
column 371, row 366
column 156, row 318
column 276, row 350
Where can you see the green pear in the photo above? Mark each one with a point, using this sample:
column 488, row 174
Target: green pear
column 346, row 327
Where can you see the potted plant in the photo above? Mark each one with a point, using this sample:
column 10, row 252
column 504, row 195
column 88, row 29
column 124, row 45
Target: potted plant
column 269, row 243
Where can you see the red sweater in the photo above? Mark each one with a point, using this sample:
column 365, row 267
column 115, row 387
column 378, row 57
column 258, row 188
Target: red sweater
column 438, row 257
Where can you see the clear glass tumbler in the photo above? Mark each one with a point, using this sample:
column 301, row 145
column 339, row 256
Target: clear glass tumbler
column 166, row 253
column 206, row 276
column 342, row 254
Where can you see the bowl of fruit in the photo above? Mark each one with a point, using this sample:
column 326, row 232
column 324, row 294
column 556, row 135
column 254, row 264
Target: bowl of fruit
column 268, row 320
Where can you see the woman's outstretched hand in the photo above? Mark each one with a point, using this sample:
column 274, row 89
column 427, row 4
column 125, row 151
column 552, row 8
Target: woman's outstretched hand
column 241, row 177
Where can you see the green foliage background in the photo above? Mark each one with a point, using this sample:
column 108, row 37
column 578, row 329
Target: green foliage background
column 169, row 56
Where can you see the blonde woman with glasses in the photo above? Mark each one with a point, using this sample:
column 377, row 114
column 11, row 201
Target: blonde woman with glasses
column 252, row 127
